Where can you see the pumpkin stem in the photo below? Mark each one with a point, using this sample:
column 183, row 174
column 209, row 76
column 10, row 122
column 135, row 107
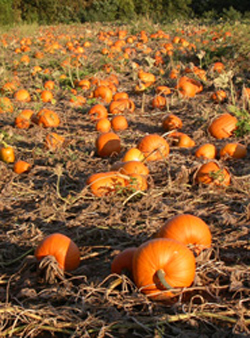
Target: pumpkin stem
column 161, row 275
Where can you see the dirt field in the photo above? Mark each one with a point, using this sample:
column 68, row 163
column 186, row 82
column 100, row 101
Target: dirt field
column 53, row 196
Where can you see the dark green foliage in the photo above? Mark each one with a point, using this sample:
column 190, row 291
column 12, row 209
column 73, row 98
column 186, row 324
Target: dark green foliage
column 67, row 11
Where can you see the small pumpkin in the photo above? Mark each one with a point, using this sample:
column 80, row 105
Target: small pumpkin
column 223, row 126
column 97, row 112
column 105, row 183
column 137, row 182
column 189, row 87
column 219, row 96
column 6, row 105
column 46, row 95
column 162, row 264
column 103, row 125
column 182, row 140
column 122, row 106
column 65, row 251
column 108, row 144
column 119, row 123
column 159, row 102
column 7, row 153
column 21, row 167
column 134, row 167
column 23, row 119
column 54, row 141
column 103, row 93
column 133, row 154
column 234, row 150
column 47, row 118
column 154, row 147
column 171, row 122
column 22, row 95
column 123, row 262
column 206, row 151
column 211, row 173
column 189, row 230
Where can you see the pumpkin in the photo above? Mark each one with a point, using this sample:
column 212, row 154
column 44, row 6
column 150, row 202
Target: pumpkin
column 219, row 96
column 211, row 173
column 49, row 85
column 103, row 93
column 218, row 67
column 133, row 167
column 6, row 105
column 189, row 230
column 206, row 151
column 137, row 182
column 159, row 102
column 119, row 123
column 154, row 147
column 103, row 125
column 97, row 112
column 7, row 153
column 121, row 106
column 54, row 141
column 182, row 140
column 21, row 167
column 120, row 95
column 133, row 154
column 77, row 101
column 189, row 87
column 162, row 264
column 47, row 118
column 146, row 77
column 108, row 144
column 171, row 122
column 235, row 150
column 223, row 126
column 62, row 248
column 163, row 90
column 105, row 183
column 22, row 95
column 46, row 96
column 123, row 262
column 23, row 119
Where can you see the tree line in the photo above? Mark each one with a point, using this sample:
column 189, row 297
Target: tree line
column 69, row 11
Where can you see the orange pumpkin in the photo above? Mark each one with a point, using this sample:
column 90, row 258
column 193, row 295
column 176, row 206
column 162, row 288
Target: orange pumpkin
column 103, row 93
column 47, row 118
column 108, row 144
column 97, row 112
column 134, row 167
column 162, row 264
column 189, row 87
column 21, row 167
column 133, row 154
column 218, row 67
column 120, row 95
column 189, row 230
column 7, row 153
column 123, row 262
column 159, row 102
column 121, row 106
column 23, row 119
column 223, row 126
column 5, row 105
column 137, row 182
column 46, row 96
column 206, row 151
column 105, row 183
column 119, row 123
column 171, row 122
column 62, row 248
column 219, row 96
column 103, row 125
column 22, row 95
column 211, row 173
column 234, row 150
column 154, row 147
column 182, row 140
column 54, row 141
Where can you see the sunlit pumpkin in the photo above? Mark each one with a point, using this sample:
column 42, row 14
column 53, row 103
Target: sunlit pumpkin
column 54, row 141
column 23, row 119
column 6, row 105
column 123, row 262
column 108, row 144
column 106, row 183
column 212, row 173
column 97, row 112
column 171, row 122
column 21, row 167
column 47, row 118
column 22, row 95
column 189, row 230
column 62, row 248
column 223, row 126
column 119, row 123
column 103, row 125
column 162, row 264
column 134, row 167
column 233, row 150
column 206, row 151
column 133, row 154
column 189, row 87
column 154, row 147
column 103, row 93
column 121, row 106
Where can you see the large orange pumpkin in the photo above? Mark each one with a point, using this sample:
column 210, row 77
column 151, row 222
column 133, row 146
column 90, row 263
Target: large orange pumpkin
column 162, row 264
column 223, row 126
column 108, row 144
column 105, row 183
column 154, row 147
column 62, row 248
column 189, row 230
column 211, row 173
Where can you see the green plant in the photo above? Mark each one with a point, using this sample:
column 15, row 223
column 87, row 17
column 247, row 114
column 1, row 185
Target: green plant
column 243, row 124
